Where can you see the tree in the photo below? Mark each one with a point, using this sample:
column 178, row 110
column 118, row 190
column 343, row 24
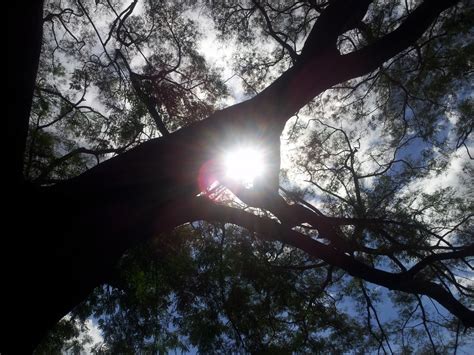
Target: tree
column 380, row 57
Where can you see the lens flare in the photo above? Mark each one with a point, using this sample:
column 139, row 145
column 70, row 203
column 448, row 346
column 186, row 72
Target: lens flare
column 244, row 165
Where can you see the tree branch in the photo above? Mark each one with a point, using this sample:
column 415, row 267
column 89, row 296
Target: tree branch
column 144, row 97
column 334, row 20
column 73, row 153
column 401, row 282
column 416, row 23
column 462, row 253
column 319, row 68
column 273, row 34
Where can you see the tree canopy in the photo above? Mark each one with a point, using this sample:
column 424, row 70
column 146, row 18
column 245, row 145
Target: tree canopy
column 356, row 237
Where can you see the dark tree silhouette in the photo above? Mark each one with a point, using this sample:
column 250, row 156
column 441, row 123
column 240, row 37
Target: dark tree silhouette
column 65, row 237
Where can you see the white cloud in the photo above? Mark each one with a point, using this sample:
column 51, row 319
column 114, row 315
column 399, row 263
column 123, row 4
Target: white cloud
column 94, row 333
column 455, row 175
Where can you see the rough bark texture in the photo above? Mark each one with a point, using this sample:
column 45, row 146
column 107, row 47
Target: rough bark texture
column 68, row 237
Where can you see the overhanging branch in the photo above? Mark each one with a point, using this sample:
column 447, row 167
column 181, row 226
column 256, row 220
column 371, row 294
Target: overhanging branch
column 416, row 23
column 319, row 68
column 394, row 281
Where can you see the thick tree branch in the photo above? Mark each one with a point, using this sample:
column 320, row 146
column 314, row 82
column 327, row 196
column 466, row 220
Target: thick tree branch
column 261, row 118
column 338, row 17
column 416, row 23
column 400, row 282
column 319, row 68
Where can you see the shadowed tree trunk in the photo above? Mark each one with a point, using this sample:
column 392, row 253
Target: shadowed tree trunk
column 25, row 30
column 66, row 239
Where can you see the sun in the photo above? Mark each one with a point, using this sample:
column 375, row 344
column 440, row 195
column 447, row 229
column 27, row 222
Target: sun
column 244, row 165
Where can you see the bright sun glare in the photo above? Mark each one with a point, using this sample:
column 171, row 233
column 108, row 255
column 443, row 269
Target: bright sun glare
column 244, row 165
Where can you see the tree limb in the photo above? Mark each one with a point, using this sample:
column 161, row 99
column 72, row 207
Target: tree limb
column 416, row 23
column 400, row 282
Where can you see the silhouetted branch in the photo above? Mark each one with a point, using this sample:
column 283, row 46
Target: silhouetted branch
column 462, row 253
column 146, row 98
column 273, row 34
column 401, row 281
column 73, row 153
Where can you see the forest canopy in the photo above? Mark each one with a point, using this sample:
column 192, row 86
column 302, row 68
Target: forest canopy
column 345, row 225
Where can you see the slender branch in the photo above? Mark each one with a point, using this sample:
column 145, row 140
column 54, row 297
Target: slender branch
column 462, row 253
column 73, row 153
column 379, row 324
column 425, row 324
column 146, row 98
column 273, row 34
